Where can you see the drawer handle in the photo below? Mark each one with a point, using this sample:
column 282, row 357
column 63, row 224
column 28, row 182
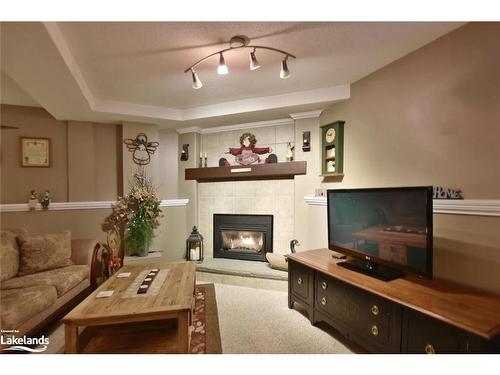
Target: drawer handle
column 375, row 310
column 299, row 281
column 323, row 285
column 374, row 330
column 323, row 301
column 429, row 349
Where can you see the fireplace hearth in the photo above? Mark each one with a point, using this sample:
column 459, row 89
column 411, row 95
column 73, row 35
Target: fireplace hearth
column 246, row 237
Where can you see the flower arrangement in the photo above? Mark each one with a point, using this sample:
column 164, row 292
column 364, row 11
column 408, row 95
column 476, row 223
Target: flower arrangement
column 138, row 212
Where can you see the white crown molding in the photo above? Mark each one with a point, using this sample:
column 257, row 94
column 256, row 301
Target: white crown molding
column 191, row 129
column 322, row 95
column 303, row 115
column 248, row 125
column 477, row 207
column 226, row 128
column 63, row 206
column 139, row 110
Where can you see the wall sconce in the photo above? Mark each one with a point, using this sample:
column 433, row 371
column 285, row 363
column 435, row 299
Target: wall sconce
column 185, row 152
column 306, row 141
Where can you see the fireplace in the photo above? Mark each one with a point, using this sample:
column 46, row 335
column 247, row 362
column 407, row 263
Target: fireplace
column 247, row 237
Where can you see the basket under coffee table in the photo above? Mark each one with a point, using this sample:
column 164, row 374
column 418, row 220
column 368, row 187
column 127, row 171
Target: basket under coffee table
column 169, row 297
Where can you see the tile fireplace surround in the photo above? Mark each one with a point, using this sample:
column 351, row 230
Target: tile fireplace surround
column 271, row 197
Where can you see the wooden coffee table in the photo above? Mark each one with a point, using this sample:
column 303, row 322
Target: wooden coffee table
column 174, row 299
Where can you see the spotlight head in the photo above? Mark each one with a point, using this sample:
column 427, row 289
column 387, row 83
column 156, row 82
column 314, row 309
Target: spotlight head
column 254, row 64
column 196, row 81
column 284, row 73
column 222, row 69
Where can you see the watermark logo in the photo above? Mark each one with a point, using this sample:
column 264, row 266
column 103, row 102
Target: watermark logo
column 24, row 343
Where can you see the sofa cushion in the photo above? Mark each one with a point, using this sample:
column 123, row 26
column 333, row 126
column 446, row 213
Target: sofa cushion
column 44, row 252
column 63, row 279
column 9, row 255
column 20, row 305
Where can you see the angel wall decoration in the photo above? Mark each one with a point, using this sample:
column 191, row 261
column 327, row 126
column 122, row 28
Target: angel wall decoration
column 141, row 149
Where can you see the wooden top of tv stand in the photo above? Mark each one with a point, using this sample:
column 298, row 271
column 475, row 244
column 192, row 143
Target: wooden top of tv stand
column 470, row 310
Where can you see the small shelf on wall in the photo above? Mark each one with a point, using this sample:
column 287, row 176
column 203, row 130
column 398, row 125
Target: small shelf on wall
column 332, row 149
column 275, row 171
column 332, row 175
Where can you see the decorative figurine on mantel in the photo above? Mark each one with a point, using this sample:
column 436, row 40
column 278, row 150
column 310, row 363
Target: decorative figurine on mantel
column 45, row 201
column 33, row 201
column 248, row 154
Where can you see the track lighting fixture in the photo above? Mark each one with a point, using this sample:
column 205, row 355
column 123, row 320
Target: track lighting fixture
column 238, row 42
column 196, row 81
column 222, row 69
column 284, row 72
column 254, row 64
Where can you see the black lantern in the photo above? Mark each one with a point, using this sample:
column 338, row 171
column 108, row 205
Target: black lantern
column 194, row 246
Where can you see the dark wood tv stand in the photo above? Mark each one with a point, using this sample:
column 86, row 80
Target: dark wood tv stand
column 406, row 315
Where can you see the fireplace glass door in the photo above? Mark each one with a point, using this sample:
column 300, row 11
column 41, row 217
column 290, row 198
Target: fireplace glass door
column 246, row 237
column 252, row 242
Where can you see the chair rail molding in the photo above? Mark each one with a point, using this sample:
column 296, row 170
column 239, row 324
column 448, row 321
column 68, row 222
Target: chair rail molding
column 477, row 207
column 64, row 206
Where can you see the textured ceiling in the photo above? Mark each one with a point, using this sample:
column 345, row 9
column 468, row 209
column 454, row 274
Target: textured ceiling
column 144, row 62
column 134, row 71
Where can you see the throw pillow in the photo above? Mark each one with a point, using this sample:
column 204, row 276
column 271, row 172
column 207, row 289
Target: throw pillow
column 44, row 252
column 9, row 255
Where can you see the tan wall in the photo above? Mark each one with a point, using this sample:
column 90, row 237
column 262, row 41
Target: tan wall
column 18, row 181
column 85, row 165
column 189, row 189
column 89, row 169
column 169, row 155
column 93, row 162
column 430, row 118
column 87, row 224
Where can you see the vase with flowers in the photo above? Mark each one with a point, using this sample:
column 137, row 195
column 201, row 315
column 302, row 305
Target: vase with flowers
column 138, row 213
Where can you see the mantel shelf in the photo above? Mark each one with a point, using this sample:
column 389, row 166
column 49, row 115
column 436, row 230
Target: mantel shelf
column 277, row 171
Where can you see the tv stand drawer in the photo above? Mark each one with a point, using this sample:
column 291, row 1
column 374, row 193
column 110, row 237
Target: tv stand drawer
column 301, row 286
column 368, row 319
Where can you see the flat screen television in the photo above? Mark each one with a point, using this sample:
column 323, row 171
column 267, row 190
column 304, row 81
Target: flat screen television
column 385, row 231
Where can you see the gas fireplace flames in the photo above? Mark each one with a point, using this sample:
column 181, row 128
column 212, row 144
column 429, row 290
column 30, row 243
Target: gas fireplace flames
column 243, row 241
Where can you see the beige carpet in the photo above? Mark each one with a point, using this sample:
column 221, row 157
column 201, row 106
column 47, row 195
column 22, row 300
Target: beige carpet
column 258, row 321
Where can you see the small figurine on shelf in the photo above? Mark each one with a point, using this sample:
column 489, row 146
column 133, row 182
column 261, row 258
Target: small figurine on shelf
column 289, row 151
column 32, row 202
column 45, row 201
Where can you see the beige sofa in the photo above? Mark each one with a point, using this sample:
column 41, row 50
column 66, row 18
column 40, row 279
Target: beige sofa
column 29, row 301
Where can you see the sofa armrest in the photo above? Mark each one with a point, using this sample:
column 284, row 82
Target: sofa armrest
column 92, row 254
column 82, row 251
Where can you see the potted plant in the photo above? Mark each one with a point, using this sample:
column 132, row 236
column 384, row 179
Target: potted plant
column 138, row 213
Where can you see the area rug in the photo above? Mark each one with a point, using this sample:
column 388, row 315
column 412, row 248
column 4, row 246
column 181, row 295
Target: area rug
column 154, row 337
column 205, row 338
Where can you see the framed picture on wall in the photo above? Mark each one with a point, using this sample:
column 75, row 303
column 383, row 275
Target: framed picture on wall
column 35, row 152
